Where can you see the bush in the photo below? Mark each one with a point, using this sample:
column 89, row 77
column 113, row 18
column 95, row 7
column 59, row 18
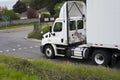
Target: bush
column 45, row 15
column 36, row 34
column 45, row 29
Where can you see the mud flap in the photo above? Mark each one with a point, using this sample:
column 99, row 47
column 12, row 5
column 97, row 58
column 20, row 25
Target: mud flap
column 114, row 60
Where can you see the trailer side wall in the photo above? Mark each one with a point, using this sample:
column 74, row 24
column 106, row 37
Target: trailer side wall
column 103, row 22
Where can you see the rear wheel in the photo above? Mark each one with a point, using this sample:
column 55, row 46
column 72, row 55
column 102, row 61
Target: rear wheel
column 101, row 57
column 49, row 51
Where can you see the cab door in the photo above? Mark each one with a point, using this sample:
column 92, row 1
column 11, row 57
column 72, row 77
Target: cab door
column 57, row 34
column 76, row 31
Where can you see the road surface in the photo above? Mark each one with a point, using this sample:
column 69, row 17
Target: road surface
column 13, row 42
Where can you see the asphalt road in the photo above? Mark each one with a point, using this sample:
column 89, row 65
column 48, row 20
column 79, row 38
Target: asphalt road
column 14, row 42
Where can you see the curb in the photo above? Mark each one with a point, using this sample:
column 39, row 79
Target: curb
column 36, row 40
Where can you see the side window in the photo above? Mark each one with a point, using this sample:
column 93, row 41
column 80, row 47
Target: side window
column 72, row 25
column 58, row 27
column 79, row 24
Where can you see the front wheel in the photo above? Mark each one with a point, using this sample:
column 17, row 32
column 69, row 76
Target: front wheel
column 101, row 57
column 49, row 52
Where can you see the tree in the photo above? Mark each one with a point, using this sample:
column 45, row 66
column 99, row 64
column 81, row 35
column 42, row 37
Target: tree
column 49, row 4
column 57, row 8
column 25, row 1
column 10, row 13
column 19, row 7
column 31, row 13
column 37, row 4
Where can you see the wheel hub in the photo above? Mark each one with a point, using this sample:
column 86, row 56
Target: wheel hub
column 99, row 59
column 48, row 52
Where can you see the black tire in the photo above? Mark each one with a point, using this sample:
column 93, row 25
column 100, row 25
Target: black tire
column 101, row 57
column 49, row 52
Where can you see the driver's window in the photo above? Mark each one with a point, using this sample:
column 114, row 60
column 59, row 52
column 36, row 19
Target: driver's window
column 58, row 27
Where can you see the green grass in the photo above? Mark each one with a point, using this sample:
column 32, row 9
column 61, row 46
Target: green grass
column 16, row 26
column 7, row 73
column 12, row 68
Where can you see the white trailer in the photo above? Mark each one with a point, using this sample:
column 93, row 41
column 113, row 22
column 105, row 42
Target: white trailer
column 85, row 31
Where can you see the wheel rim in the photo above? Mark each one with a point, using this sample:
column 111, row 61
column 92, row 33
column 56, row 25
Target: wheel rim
column 99, row 59
column 48, row 52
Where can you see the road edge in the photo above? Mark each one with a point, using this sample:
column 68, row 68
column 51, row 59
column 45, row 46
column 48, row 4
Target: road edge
column 36, row 40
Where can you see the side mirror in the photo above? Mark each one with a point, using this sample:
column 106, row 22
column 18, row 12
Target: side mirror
column 50, row 29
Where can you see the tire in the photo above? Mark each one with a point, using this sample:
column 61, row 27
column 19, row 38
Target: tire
column 101, row 57
column 49, row 52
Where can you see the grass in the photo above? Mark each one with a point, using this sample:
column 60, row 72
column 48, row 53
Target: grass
column 7, row 73
column 12, row 68
column 16, row 26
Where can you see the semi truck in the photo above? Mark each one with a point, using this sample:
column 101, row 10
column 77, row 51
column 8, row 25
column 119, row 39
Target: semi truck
column 88, row 30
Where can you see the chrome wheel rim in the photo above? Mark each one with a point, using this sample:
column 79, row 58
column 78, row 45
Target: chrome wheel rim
column 99, row 59
column 48, row 52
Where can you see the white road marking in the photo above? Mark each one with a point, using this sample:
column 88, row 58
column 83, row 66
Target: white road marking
column 7, row 50
column 31, row 47
column 1, row 51
column 20, row 48
column 13, row 49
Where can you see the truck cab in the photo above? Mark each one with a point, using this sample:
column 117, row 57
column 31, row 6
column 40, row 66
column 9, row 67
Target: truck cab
column 67, row 30
column 58, row 32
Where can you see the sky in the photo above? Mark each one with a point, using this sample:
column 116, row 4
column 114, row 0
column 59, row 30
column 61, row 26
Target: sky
column 8, row 3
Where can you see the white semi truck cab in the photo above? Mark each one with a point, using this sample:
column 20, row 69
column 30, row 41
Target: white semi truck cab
column 85, row 31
